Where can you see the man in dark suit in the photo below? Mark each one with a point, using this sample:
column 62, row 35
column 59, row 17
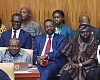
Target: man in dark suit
column 16, row 32
column 94, row 31
column 49, row 63
column 3, row 75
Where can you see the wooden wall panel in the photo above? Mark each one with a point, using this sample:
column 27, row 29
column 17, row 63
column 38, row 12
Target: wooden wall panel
column 42, row 9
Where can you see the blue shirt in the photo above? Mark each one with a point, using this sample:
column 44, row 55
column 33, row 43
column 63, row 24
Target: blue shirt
column 22, row 56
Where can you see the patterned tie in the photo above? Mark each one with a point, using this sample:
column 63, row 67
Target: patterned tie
column 47, row 50
column 14, row 36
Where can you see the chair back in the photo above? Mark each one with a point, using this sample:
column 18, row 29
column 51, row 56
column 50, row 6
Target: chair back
column 9, row 69
column 3, row 48
column 30, row 51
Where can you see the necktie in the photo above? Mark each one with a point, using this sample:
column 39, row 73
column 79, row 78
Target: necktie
column 48, row 45
column 47, row 50
column 14, row 36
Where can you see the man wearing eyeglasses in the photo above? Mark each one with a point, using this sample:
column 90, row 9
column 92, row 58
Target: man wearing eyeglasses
column 15, row 32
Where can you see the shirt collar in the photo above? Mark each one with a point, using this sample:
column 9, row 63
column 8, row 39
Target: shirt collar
column 48, row 35
column 16, row 30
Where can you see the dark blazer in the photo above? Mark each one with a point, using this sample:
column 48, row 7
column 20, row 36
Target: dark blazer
column 94, row 32
column 24, row 38
column 3, row 75
column 57, row 42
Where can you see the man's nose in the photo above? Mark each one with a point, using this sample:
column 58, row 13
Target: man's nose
column 49, row 27
column 21, row 13
column 14, row 47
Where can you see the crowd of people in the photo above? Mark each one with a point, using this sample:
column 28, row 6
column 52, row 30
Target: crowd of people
column 72, row 54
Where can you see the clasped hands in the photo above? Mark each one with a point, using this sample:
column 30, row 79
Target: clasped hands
column 41, row 59
column 72, row 65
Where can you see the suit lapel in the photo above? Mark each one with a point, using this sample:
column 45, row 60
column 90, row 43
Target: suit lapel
column 42, row 41
column 10, row 34
column 54, row 41
column 54, row 38
column 20, row 35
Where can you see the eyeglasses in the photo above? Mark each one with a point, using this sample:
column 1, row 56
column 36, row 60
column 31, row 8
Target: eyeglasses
column 16, row 22
column 49, row 26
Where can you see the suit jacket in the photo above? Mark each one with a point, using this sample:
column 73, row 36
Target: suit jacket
column 24, row 38
column 3, row 75
column 94, row 32
column 57, row 42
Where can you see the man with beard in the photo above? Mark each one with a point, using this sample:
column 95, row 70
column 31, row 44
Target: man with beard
column 16, row 32
column 28, row 25
column 47, row 56
column 81, row 53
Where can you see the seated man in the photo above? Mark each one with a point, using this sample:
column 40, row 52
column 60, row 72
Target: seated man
column 14, row 53
column 3, row 75
column 15, row 32
column 80, row 52
column 47, row 55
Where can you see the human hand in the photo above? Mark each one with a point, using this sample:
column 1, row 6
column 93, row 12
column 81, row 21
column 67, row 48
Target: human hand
column 70, row 63
column 39, row 58
column 75, row 66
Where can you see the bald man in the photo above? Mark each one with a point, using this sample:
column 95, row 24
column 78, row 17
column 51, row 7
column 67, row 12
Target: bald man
column 94, row 31
column 28, row 25
column 14, row 53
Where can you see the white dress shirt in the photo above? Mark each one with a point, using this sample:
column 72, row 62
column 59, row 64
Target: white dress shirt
column 17, row 33
column 51, row 50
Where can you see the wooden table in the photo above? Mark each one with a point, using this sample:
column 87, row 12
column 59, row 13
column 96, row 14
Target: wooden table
column 34, row 75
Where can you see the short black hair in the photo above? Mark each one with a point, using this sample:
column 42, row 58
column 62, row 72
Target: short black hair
column 48, row 20
column 16, row 14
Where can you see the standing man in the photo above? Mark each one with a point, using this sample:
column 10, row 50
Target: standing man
column 83, row 18
column 15, row 32
column 28, row 25
column 47, row 56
